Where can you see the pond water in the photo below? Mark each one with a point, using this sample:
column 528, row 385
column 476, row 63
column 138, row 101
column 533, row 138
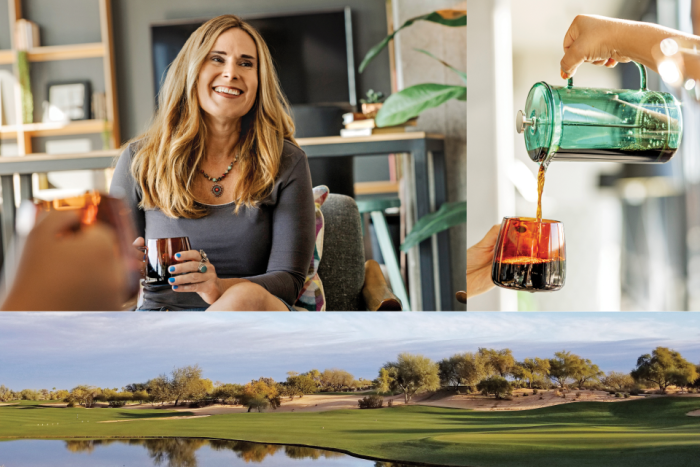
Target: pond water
column 170, row 452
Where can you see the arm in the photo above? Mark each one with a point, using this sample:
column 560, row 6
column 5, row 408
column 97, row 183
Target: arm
column 124, row 186
column 607, row 41
column 293, row 235
column 479, row 259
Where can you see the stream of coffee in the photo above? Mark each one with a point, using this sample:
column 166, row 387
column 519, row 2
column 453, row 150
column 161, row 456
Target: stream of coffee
column 540, row 188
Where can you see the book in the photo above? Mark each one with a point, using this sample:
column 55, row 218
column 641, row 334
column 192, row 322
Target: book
column 26, row 34
column 370, row 123
column 350, row 132
column 352, row 117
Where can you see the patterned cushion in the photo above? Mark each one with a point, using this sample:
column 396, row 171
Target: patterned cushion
column 311, row 297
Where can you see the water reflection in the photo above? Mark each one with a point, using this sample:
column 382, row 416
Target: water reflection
column 181, row 452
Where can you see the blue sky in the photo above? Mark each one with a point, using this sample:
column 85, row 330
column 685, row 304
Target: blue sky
column 43, row 350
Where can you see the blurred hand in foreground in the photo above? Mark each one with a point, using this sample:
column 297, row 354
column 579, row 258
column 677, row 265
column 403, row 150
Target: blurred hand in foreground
column 66, row 266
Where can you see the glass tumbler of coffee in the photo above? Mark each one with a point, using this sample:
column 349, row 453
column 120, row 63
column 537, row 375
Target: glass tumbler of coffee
column 530, row 255
column 159, row 256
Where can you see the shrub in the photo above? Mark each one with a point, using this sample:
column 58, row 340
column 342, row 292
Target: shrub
column 118, row 403
column 525, row 395
column 636, row 392
column 534, row 391
column 390, row 403
column 618, row 394
column 71, row 404
column 578, row 394
column 371, row 402
column 494, row 385
column 627, row 396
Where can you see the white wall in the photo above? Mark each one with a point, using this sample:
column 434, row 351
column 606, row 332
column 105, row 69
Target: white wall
column 490, row 196
column 591, row 217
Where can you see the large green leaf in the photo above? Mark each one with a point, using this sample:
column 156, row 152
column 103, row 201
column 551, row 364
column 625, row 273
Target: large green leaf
column 452, row 18
column 410, row 102
column 462, row 74
column 449, row 215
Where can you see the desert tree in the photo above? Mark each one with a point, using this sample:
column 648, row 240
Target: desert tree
column 261, row 393
column 498, row 361
column 83, row 395
column 562, row 367
column 447, row 367
column 6, row 394
column 618, row 381
column 660, row 368
column 584, row 371
column 159, row 389
column 186, row 382
column 471, row 368
column 495, row 385
column 336, row 379
column 410, row 374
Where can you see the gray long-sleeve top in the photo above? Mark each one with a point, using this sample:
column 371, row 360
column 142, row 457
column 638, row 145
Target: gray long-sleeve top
column 271, row 245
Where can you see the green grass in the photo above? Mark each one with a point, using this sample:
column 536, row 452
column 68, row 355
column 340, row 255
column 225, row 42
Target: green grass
column 651, row 432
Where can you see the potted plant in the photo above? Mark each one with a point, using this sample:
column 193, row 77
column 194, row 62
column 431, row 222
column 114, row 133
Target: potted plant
column 372, row 104
column 408, row 103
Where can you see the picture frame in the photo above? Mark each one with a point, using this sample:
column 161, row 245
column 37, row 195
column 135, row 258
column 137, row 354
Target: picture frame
column 68, row 100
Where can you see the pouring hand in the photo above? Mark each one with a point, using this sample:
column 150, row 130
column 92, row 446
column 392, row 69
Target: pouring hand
column 479, row 258
column 607, row 41
column 594, row 39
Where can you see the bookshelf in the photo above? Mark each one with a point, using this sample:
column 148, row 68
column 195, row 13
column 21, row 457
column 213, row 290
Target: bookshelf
column 24, row 132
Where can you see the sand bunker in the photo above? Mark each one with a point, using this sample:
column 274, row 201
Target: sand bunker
column 520, row 401
column 154, row 418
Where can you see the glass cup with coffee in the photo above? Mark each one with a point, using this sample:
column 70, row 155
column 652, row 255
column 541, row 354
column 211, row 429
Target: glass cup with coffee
column 530, row 255
column 159, row 256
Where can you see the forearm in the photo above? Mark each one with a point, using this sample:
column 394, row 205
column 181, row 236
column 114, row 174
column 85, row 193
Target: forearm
column 641, row 42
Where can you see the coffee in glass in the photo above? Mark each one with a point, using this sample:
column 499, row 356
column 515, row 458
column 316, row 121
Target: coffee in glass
column 530, row 255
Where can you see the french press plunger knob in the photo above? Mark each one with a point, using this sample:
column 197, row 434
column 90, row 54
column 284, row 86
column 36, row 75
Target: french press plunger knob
column 521, row 122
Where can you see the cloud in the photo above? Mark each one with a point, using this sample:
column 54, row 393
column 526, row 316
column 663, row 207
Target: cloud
column 113, row 349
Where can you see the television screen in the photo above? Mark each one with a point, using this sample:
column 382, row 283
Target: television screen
column 312, row 53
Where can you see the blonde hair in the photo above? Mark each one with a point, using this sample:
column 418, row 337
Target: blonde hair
column 166, row 161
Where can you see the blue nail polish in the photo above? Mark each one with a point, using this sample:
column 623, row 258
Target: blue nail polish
column 171, row 269
column 177, row 255
column 171, row 280
column 174, row 286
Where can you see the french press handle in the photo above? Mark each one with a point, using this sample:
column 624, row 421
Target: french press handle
column 642, row 78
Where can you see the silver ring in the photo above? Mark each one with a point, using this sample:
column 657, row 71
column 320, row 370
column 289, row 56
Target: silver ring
column 202, row 268
column 204, row 259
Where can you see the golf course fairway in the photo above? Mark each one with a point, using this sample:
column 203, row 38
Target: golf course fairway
column 649, row 432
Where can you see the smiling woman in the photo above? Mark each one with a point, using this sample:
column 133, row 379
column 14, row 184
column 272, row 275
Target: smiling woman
column 219, row 165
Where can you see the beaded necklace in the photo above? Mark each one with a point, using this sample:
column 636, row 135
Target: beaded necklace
column 217, row 190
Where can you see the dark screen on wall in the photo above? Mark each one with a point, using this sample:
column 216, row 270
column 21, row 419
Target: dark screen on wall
column 309, row 52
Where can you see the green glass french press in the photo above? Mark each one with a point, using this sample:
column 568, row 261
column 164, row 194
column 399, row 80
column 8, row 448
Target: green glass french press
column 611, row 125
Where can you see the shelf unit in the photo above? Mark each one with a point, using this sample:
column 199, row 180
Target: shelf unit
column 24, row 132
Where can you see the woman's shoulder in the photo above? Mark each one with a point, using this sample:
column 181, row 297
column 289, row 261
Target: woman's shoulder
column 292, row 155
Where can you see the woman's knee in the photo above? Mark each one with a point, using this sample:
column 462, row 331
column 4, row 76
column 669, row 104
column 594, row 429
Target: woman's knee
column 244, row 296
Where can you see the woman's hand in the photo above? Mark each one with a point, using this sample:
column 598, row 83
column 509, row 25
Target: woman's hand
column 479, row 259
column 207, row 284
